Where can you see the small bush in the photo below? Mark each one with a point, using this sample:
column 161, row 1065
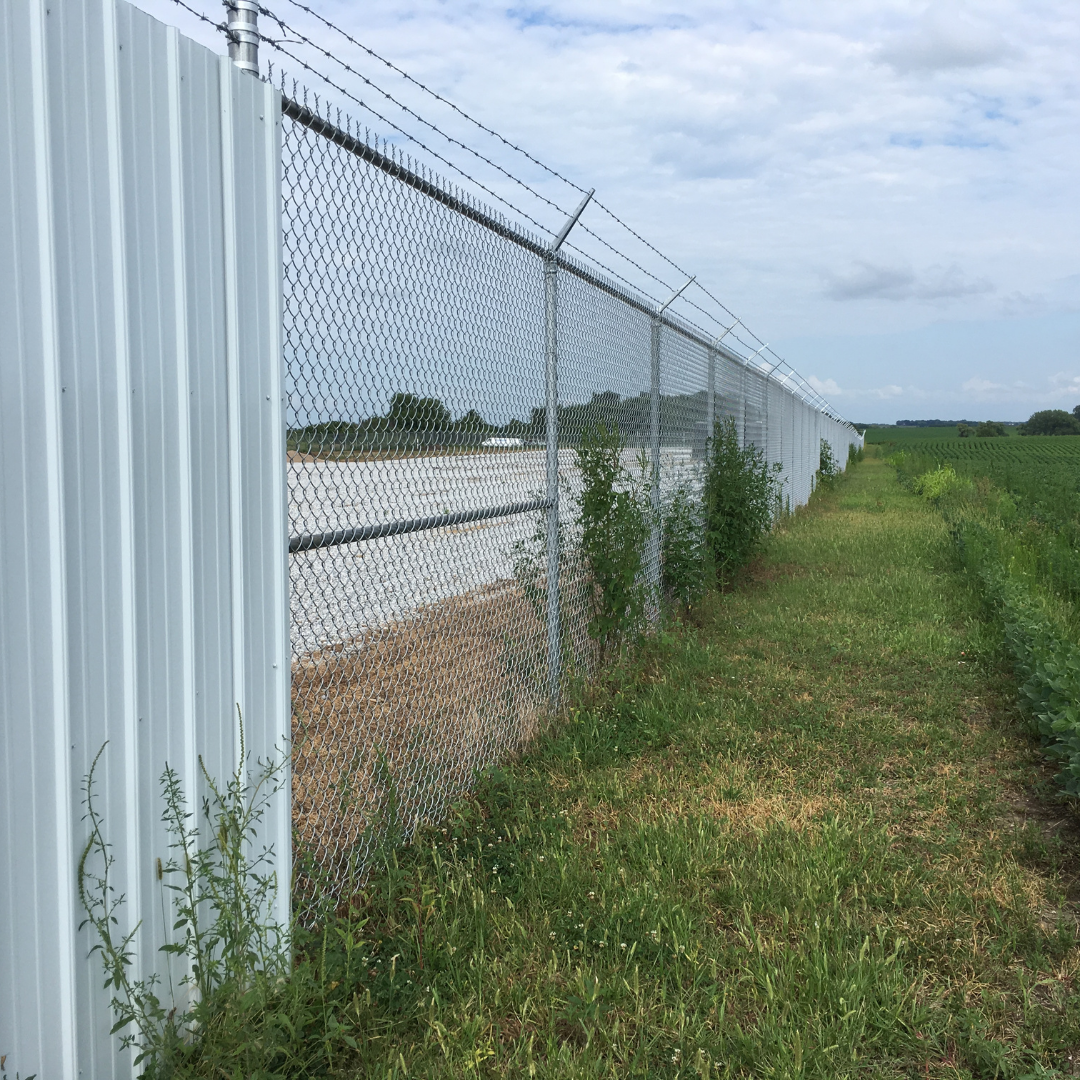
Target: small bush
column 683, row 555
column 938, row 483
column 828, row 466
column 614, row 530
column 741, row 492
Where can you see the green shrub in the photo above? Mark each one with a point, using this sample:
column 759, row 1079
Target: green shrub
column 828, row 466
column 990, row 429
column 939, row 482
column 244, row 1005
column 740, row 495
column 614, row 518
column 683, row 554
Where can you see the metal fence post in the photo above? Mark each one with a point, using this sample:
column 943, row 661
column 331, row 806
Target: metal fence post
column 551, row 413
column 551, row 403
column 710, row 400
column 242, row 29
column 711, row 405
column 652, row 569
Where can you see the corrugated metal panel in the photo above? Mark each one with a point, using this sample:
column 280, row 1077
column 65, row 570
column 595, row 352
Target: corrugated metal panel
column 143, row 575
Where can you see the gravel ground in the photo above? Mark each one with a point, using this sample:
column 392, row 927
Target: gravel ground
column 339, row 592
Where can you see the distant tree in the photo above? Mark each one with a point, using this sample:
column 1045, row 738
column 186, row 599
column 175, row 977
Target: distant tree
column 990, row 429
column 1051, row 422
column 411, row 413
column 963, row 431
column 1076, row 411
column 473, row 423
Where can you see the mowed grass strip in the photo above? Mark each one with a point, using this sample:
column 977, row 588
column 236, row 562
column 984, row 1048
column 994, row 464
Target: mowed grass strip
column 802, row 838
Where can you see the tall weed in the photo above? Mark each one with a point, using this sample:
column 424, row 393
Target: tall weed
column 243, row 1005
column 740, row 494
column 684, row 554
column 828, row 466
column 614, row 516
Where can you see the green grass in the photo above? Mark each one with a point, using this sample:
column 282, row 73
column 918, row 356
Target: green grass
column 1041, row 475
column 805, row 837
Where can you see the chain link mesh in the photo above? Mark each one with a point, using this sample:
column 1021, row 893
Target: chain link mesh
column 418, row 500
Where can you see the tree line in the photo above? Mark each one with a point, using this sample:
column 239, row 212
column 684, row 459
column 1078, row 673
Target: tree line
column 413, row 422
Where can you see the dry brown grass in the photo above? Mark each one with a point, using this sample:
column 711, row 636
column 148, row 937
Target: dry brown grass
column 397, row 721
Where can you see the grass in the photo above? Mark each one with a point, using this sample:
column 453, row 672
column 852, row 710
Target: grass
column 804, row 837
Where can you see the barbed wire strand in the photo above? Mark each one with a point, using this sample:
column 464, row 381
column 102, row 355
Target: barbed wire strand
column 303, row 39
column 277, row 44
column 506, row 142
column 274, row 43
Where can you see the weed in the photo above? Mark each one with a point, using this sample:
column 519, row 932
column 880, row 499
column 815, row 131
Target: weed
column 828, row 466
column 740, row 494
column 243, row 1006
column 614, row 521
column 684, row 555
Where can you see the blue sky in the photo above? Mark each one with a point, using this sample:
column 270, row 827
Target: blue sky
column 884, row 191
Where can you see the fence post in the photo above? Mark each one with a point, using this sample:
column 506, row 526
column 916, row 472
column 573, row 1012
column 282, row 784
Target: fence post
column 652, row 568
column 710, row 412
column 551, row 403
column 242, row 29
column 551, row 413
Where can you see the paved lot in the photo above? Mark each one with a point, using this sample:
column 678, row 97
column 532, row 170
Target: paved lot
column 339, row 592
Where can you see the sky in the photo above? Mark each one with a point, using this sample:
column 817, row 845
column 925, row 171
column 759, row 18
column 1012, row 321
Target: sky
column 884, row 191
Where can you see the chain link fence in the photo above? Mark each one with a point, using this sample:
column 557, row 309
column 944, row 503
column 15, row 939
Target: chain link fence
column 442, row 366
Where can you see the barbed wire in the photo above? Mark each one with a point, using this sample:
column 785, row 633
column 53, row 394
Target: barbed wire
column 303, row 39
column 506, row 142
column 203, row 17
column 513, row 146
column 300, row 38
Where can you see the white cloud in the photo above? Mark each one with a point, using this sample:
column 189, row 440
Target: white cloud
column 825, row 387
column 944, row 40
column 1063, row 385
column 829, row 388
column 792, row 155
column 937, row 283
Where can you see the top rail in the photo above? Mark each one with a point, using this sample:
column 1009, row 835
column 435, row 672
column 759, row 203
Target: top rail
column 307, row 117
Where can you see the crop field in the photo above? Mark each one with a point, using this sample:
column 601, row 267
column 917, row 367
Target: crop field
column 1041, row 471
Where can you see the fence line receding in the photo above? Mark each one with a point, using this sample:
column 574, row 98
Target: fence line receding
column 442, row 365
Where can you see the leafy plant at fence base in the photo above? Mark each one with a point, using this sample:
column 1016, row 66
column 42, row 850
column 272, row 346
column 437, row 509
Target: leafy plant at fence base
column 828, row 466
column 740, row 495
column 242, row 1006
column 683, row 556
column 614, row 515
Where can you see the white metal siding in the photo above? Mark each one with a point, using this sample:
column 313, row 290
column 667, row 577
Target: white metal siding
column 142, row 433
